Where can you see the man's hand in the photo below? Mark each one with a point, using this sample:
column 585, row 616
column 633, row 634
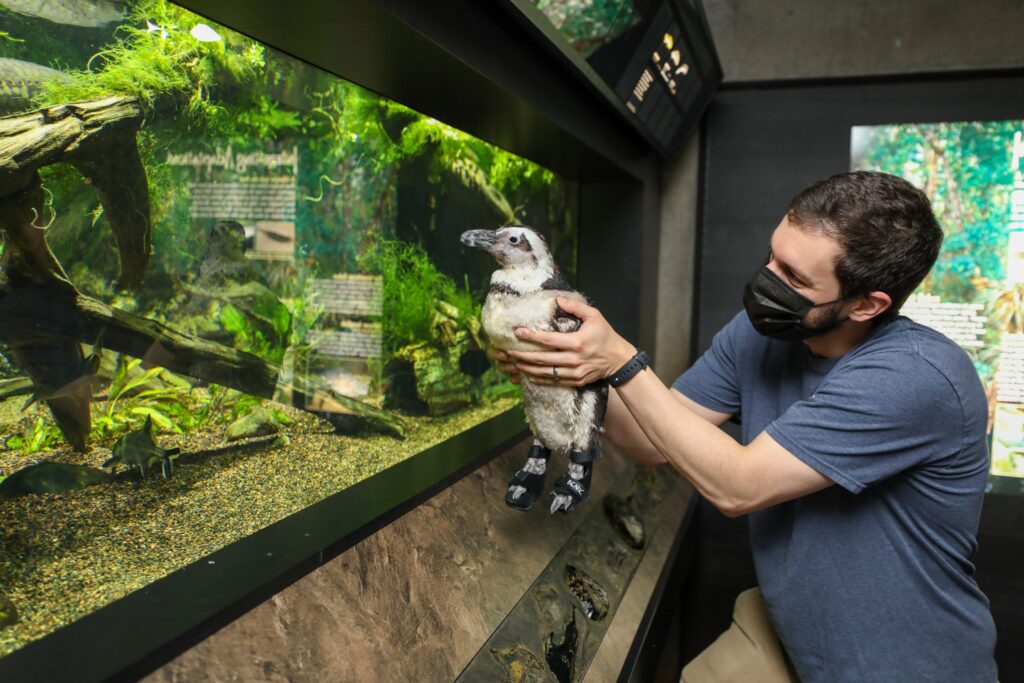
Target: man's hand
column 591, row 353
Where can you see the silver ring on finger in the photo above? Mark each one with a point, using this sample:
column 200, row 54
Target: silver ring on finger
column 554, row 373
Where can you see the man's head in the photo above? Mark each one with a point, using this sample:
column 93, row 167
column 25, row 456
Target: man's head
column 884, row 227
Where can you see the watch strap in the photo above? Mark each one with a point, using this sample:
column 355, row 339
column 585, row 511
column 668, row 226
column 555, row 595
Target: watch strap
column 632, row 367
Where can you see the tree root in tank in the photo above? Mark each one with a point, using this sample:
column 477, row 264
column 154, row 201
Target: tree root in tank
column 43, row 316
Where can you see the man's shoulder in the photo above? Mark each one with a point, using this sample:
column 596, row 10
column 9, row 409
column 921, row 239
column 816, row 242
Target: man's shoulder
column 922, row 355
column 905, row 337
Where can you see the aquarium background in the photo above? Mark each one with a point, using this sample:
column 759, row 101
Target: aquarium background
column 311, row 313
column 589, row 24
column 974, row 176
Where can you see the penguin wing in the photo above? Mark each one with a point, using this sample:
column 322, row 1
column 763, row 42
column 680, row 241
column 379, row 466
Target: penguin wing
column 564, row 321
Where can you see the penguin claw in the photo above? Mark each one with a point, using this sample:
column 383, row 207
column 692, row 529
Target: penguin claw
column 560, row 501
column 516, row 491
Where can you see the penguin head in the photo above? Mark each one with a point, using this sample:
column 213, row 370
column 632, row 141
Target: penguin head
column 514, row 247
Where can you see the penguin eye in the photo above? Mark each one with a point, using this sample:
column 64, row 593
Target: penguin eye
column 514, row 239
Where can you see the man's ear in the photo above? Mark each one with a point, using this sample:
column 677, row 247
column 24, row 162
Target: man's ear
column 871, row 306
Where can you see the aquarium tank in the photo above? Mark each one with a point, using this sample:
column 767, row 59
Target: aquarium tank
column 973, row 173
column 231, row 286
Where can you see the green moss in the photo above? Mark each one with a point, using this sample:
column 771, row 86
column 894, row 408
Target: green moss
column 165, row 62
column 412, row 287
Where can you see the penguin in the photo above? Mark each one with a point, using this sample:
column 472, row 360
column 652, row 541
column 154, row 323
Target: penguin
column 567, row 420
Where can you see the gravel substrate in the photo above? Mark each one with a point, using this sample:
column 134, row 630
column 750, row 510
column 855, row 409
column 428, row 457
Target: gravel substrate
column 62, row 556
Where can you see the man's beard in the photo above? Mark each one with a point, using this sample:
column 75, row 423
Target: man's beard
column 819, row 323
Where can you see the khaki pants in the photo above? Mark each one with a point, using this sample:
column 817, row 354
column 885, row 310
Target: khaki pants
column 749, row 652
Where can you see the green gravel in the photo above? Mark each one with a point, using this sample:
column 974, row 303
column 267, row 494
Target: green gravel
column 62, row 556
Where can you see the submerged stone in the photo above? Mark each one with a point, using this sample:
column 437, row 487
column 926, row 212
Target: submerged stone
column 51, row 477
column 592, row 597
column 520, row 664
column 625, row 519
column 561, row 656
column 259, row 422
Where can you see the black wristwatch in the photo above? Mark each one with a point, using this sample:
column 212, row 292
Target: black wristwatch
column 632, row 367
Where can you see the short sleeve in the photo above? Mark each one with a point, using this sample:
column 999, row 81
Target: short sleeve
column 873, row 418
column 714, row 380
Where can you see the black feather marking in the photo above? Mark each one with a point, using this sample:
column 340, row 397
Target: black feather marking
column 565, row 316
column 558, row 282
column 502, row 288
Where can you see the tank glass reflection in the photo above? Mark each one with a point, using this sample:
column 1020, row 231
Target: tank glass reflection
column 231, row 284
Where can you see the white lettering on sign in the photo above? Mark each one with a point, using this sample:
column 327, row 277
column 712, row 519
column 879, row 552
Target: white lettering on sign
column 963, row 323
column 1017, row 150
column 1010, row 380
column 240, row 163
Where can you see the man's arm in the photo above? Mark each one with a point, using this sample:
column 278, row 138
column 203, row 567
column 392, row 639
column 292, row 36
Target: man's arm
column 622, row 429
column 734, row 478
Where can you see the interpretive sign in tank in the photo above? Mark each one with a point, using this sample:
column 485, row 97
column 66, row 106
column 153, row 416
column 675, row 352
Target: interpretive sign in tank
column 230, row 286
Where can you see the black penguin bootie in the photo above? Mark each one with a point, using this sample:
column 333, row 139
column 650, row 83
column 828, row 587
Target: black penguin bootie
column 573, row 487
column 533, row 482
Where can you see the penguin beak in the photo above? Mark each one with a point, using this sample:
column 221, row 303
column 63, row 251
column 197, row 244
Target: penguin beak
column 481, row 239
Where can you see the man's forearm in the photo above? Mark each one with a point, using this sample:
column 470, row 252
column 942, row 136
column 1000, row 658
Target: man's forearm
column 703, row 453
column 622, row 429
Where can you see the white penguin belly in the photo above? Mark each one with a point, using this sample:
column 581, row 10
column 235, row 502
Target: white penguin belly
column 556, row 416
column 561, row 417
column 502, row 314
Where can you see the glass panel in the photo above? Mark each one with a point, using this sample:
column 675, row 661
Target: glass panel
column 588, row 25
column 232, row 285
column 973, row 172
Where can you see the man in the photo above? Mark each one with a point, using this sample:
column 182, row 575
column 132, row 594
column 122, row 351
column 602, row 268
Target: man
column 863, row 460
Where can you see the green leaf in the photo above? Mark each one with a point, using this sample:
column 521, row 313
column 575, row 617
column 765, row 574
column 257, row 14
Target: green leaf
column 233, row 321
column 282, row 320
column 159, row 418
column 142, row 379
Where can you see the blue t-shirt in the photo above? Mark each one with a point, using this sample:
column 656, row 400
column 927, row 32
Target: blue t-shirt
column 870, row 580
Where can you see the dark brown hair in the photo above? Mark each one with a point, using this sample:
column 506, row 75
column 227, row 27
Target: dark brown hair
column 885, row 226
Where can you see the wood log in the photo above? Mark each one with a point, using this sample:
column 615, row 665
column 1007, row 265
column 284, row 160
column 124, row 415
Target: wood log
column 36, row 313
column 98, row 138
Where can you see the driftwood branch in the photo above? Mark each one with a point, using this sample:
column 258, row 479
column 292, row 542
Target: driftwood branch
column 98, row 138
column 31, row 315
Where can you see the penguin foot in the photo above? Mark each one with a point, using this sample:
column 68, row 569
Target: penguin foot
column 572, row 488
column 528, row 483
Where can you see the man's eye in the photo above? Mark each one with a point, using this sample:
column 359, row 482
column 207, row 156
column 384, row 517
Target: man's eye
column 514, row 239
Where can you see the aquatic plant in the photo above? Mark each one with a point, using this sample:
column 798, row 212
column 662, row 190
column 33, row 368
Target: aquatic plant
column 412, row 288
column 42, row 434
column 133, row 397
column 156, row 56
column 267, row 339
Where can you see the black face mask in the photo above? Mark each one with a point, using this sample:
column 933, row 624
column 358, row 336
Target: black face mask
column 777, row 310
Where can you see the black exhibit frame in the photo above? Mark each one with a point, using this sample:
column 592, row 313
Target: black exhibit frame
column 635, row 73
column 765, row 142
column 469, row 65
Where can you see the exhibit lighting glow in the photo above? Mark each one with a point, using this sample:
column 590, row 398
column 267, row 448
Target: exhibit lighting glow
column 204, row 34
